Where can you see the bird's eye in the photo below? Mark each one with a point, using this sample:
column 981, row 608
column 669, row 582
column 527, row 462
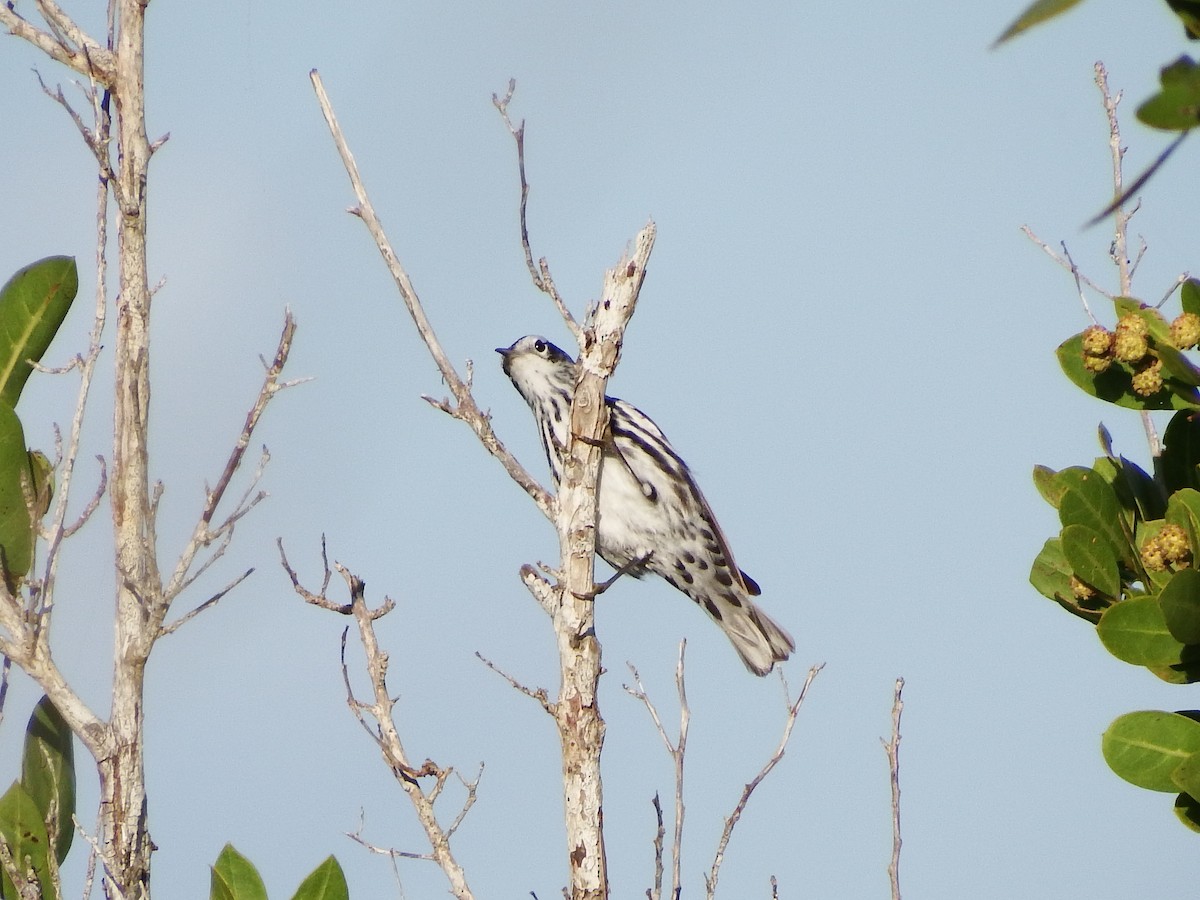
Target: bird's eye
column 539, row 346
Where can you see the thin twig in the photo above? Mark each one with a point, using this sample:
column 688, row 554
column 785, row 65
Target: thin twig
column 1070, row 267
column 1176, row 285
column 93, row 503
column 5, row 671
column 655, row 892
column 90, row 874
column 892, row 749
column 677, row 751
column 710, row 880
column 211, row 601
column 1120, row 244
column 202, row 534
column 539, row 694
column 87, row 58
column 57, row 531
column 1120, row 251
column 357, row 837
column 540, row 273
column 382, row 710
column 466, row 409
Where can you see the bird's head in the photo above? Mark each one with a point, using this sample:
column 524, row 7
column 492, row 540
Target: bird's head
column 537, row 368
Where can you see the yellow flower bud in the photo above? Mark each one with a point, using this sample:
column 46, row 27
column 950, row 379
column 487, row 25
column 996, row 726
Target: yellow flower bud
column 1185, row 331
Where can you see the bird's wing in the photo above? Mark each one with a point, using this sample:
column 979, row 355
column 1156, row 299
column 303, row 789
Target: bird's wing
column 645, row 452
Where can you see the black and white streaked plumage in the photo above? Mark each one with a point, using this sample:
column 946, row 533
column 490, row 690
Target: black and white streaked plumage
column 649, row 506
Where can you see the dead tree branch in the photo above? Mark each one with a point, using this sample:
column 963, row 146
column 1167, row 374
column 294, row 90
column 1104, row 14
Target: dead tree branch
column 677, row 751
column 204, row 534
column 540, row 273
column 892, row 748
column 464, row 408
column 383, row 732
column 710, row 880
column 581, row 729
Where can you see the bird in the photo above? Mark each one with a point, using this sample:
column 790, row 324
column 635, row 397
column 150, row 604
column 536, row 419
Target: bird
column 651, row 516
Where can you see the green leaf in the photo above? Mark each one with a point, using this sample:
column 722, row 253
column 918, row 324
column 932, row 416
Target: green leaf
column 1115, row 384
column 1186, row 775
column 1183, row 673
column 1177, row 366
column 48, row 773
column 1177, row 106
column 238, row 875
column 1110, row 471
column 327, row 882
column 1189, row 296
column 1180, row 602
column 1189, row 13
column 1090, row 501
column 1051, row 576
column 1036, row 13
column 1145, row 747
column 22, row 829
column 1187, row 808
column 1181, row 452
column 43, row 481
column 1091, row 559
column 16, row 479
column 1135, row 631
column 218, row 887
column 1138, row 486
column 33, row 305
column 1046, row 482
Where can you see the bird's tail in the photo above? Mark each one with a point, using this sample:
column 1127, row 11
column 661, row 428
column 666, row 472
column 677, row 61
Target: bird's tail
column 757, row 638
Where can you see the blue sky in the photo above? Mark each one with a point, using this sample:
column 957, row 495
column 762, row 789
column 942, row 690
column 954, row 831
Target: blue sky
column 843, row 331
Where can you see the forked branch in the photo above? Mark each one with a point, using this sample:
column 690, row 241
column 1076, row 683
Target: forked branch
column 381, row 710
column 793, row 710
column 464, row 408
column 539, row 273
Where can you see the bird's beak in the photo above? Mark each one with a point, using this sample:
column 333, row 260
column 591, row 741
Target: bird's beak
column 503, row 351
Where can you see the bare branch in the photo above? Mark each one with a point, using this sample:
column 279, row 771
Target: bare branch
column 539, row 695
column 892, row 749
column 5, row 670
column 92, row 504
column 202, row 534
column 466, row 409
column 211, row 601
column 541, row 272
column 472, row 791
column 548, row 596
column 90, row 136
column 580, row 726
column 357, row 837
column 1176, row 285
column 655, row 892
column 677, row 752
column 1117, row 152
column 382, row 711
column 710, row 880
column 87, row 58
column 57, row 531
column 318, row 598
column 1067, row 263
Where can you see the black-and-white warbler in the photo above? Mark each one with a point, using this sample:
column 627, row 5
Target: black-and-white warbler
column 651, row 515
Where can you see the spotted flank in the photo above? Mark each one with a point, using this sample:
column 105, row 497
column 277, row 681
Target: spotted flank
column 652, row 516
